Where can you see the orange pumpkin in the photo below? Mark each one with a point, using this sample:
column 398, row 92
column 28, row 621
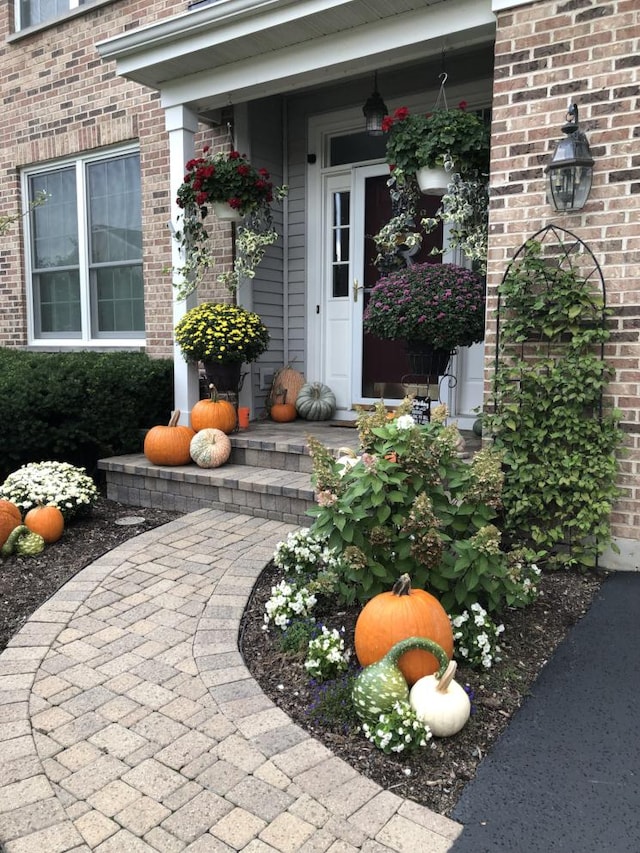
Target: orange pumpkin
column 283, row 413
column 48, row 521
column 10, row 518
column 214, row 413
column 169, row 445
column 397, row 615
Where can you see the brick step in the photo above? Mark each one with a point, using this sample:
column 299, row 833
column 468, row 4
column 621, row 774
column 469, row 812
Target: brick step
column 268, row 475
column 272, row 493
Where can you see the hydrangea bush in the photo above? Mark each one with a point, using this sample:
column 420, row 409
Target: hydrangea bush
column 59, row 484
column 412, row 504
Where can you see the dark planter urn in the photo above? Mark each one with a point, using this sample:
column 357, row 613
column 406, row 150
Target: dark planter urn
column 425, row 360
column 226, row 377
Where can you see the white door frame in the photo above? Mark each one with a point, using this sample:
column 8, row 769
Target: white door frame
column 320, row 130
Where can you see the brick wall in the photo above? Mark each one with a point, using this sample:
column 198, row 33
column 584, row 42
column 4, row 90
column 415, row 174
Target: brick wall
column 587, row 51
column 59, row 98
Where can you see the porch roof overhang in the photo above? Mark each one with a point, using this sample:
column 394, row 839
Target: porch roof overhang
column 230, row 51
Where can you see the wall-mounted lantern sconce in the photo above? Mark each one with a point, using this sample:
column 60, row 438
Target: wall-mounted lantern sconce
column 374, row 110
column 571, row 168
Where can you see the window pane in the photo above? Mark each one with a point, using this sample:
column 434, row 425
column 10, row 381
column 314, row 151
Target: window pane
column 356, row 147
column 55, row 223
column 58, row 303
column 36, row 11
column 340, row 257
column 119, row 299
column 114, row 210
column 341, row 280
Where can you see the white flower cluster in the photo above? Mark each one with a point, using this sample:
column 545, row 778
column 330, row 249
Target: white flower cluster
column 398, row 730
column 527, row 575
column 50, row 483
column 304, row 553
column 326, row 656
column 405, row 422
column 286, row 602
column 475, row 635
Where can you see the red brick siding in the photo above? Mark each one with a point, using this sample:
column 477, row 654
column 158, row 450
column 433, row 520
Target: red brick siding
column 589, row 51
column 59, row 99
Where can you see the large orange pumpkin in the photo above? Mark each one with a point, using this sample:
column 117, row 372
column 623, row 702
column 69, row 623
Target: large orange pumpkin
column 10, row 518
column 169, row 445
column 393, row 616
column 214, row 413
column 48, row 521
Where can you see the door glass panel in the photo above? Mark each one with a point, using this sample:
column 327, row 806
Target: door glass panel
column 385, row 364
column 340, row 244
column 355, row 148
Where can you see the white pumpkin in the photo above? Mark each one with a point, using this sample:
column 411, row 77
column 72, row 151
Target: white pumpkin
column 210, row 448
column 442, row 704
column 347, row 459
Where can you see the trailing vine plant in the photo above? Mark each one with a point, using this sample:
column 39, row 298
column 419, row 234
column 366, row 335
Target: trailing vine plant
column 558, row 445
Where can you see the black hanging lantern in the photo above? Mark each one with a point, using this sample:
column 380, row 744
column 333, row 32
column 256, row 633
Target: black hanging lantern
column 374, row 110
column 571, row 168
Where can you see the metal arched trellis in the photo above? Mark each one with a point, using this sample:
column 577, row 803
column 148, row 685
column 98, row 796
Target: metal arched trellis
column 551, row 313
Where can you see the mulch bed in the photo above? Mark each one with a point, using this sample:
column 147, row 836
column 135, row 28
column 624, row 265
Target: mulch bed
column 435, row 775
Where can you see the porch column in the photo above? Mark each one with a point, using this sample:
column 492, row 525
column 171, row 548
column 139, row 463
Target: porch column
column 181, row 124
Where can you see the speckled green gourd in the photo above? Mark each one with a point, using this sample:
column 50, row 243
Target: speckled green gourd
column 381, row 684
column 23, row 542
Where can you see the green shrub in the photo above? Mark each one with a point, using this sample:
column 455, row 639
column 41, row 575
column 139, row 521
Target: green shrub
column 78, row 407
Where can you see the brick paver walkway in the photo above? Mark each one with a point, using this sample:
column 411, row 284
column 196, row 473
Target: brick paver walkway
column 129, row 723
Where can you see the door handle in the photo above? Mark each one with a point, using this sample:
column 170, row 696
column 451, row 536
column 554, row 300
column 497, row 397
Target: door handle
column 356, row 288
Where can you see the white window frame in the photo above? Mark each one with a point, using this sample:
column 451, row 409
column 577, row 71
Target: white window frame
column 85, row 339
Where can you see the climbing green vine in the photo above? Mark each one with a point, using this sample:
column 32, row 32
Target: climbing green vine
column 558, row 443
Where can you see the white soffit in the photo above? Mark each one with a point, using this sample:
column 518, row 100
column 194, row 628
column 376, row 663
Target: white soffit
column 236, row 50
column 501, row 5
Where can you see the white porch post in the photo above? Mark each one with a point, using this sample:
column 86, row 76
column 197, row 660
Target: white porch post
column 181, row 124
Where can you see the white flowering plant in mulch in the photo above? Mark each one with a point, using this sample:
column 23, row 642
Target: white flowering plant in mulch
column 305, row 554
column 398, row 730
column 326, row 655
column 476, row 637
column 59, row 484
column 287, row 602
column 310, row 568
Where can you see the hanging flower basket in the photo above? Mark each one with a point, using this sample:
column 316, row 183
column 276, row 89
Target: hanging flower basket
column 455, row 139
column 228, row 185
